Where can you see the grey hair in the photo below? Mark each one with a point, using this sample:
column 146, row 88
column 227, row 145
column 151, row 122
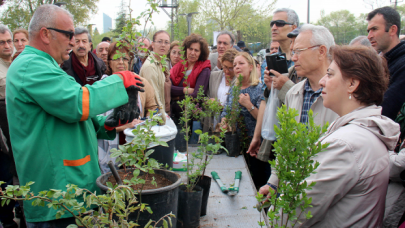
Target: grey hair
column 362, row 40
column 320, row 36
column 4, row 29
column 81, row 30
column 144, row 38
column 45, row 16
column 229, row 34
column 292, row 16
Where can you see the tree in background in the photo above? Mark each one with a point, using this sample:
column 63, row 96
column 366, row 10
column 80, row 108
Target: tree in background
column 19, row 13
column 342, row 24
column 121, row 20
column 96, row 32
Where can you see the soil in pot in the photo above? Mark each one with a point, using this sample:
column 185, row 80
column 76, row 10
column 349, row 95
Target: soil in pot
column 161, row 200
column 232, row 144
column 189, row 210
column 161, row 181
column 205, row 183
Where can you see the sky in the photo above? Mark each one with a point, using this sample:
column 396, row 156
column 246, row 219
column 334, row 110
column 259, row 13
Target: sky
column 111, row 8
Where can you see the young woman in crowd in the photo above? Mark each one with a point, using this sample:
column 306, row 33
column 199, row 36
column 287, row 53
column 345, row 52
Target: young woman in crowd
column 249, row 99
column 20, row 39
column 198, row 71
column 146, row 102
column 352, row 178
column 174, row 55
column 152, row 70
column 220, row 82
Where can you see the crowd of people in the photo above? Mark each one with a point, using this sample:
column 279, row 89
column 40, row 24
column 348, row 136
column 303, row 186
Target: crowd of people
column 57, row 97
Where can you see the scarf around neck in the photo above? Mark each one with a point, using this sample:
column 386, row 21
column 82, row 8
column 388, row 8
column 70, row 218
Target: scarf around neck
column 177, row 72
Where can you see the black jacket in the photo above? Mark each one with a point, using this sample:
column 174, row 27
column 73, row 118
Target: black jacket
column 394, row 97
column 98, row 63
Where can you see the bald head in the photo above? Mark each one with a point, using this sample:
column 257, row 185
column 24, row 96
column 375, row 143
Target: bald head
column 102, row 51
column 45, row 16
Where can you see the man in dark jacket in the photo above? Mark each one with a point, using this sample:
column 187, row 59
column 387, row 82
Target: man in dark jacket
column 83, row 64
column 383, row 32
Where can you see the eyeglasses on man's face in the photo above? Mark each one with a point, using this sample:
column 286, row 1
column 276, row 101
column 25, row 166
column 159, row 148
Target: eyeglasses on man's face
column 69, row 34
column 279, row 23
column 3, row 42
column 298, row 51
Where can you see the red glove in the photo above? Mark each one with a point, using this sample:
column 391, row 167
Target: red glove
column 130, row 79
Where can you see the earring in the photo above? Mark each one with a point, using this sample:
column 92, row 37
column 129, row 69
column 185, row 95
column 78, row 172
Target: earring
column 350, row 96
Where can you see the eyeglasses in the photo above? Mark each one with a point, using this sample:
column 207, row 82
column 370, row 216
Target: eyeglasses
column 9, row 42
column 161, row 42
column 68, row 34
column 228, row 68
column 279, row 23
column 123, row 60
column 298, row 51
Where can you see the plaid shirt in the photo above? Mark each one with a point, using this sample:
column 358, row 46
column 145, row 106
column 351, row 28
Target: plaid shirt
column 309, row 98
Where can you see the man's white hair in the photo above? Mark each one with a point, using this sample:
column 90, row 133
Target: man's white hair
column 104, row 42
column 45, row 16
column 320, row 36
column 4, row 29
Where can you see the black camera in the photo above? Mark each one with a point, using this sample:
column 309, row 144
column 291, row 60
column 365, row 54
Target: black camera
column 277, row 62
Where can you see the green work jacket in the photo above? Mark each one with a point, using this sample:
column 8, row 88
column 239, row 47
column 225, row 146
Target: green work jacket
column 54, row 125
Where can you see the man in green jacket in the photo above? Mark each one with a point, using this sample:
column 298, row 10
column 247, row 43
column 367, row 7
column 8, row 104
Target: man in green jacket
column 53, row 120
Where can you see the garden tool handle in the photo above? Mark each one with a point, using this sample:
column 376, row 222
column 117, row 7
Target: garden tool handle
column 214, row 175
column 238, row 175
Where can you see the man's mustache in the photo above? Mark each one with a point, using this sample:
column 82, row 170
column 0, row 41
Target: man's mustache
column 81, row 48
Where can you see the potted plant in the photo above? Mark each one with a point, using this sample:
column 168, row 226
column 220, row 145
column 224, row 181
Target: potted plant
column 156, row 189
column 293, row 164
column 190, row 194
column 232, row 116
column 94, row 211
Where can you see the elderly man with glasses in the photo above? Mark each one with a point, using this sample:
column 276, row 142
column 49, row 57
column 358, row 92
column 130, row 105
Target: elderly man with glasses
column 54, row 121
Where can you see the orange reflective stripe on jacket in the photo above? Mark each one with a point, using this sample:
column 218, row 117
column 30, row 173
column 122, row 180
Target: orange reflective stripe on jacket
column 85, row 104
column 77, row 162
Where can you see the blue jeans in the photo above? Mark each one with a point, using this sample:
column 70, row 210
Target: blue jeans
column 58, row 223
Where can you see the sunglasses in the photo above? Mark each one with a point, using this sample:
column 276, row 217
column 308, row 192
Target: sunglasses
column 279, row 23
column 68, row 34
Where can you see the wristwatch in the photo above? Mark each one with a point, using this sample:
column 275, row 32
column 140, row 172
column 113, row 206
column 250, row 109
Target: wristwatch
column 252, row 108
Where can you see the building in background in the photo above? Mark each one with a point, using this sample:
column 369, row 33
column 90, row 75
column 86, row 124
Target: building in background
column 107, row 23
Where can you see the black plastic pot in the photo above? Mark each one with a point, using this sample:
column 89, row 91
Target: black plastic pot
column 205, row 184
column 180, row 143
column 188, row 214
column 164, row 154
column 162, row 201
column 232, row 144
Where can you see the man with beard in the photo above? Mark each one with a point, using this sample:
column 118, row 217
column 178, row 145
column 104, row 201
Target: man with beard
column 83, row 64
column 143, row 44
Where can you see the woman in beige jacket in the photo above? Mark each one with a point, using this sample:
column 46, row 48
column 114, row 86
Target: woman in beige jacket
column 352, row 178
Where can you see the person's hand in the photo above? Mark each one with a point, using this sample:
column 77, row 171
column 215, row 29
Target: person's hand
column 266, row 190
column 278, row 80
column 223, row 124
column 188, row 90
column 267, row 78
column 131, row 79
column 254, row 147
column 244, row 100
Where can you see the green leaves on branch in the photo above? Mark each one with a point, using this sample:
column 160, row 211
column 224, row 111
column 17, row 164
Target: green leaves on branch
column 296, row 146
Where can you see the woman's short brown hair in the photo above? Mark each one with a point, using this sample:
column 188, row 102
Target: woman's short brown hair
column 229, row 55
column 365, row 65
column 112, row 50
column 172, row 45
column 196, row 38
column 20, row 31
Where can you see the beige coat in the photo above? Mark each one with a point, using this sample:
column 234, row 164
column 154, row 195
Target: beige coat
column 148, row 100
column 157, row 78
column 352, row 178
